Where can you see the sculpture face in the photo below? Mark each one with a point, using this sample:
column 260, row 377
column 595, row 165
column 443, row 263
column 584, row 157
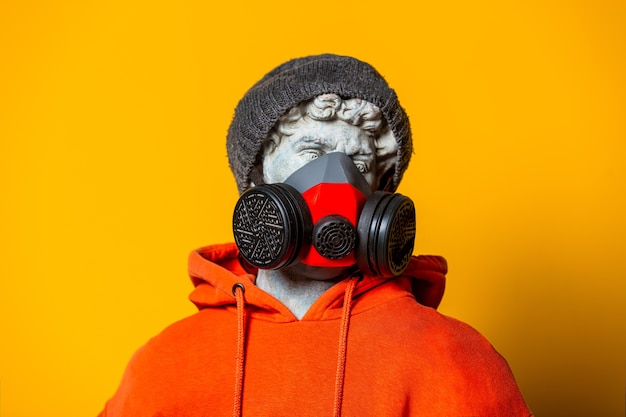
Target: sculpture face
column 313, row 138
column 317, row 127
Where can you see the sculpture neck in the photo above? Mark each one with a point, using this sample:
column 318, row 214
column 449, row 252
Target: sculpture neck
column 297, row 293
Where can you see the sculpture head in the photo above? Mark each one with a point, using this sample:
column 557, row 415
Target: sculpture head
column 325, row 218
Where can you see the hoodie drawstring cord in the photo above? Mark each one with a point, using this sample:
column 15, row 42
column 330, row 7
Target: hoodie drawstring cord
column 238, row 290
column 343, row 345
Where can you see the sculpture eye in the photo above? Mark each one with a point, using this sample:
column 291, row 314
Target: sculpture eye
column 361, row 166
column 311, row 154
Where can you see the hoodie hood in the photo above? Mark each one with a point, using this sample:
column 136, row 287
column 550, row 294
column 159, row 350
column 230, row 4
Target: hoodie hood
column 215, row 271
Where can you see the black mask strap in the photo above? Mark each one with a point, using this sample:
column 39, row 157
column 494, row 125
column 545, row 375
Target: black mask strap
column 256, row 176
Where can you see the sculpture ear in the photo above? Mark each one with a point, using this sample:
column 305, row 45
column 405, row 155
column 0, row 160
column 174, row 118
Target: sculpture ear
column 269, row 146
column 386, row 154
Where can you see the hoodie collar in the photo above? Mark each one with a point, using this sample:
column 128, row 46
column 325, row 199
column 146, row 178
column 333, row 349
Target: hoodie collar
column 215, row 270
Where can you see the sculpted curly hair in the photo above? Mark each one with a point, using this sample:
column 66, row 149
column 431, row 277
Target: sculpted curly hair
column 326, row 107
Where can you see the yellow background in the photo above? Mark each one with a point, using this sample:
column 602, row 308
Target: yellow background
column 113, row 117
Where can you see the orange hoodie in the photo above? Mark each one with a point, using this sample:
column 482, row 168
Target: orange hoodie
column 367, row 347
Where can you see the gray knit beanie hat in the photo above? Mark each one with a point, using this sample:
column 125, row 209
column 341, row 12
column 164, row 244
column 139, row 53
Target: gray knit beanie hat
column 302, row 79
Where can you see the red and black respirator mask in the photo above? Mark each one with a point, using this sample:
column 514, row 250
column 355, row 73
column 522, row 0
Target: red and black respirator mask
column 325, row 217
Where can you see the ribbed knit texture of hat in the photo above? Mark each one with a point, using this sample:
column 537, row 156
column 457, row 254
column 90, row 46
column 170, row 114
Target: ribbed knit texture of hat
column 302, row 79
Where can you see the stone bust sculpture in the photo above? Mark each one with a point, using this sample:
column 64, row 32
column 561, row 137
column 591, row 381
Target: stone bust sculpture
column 305, row 108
